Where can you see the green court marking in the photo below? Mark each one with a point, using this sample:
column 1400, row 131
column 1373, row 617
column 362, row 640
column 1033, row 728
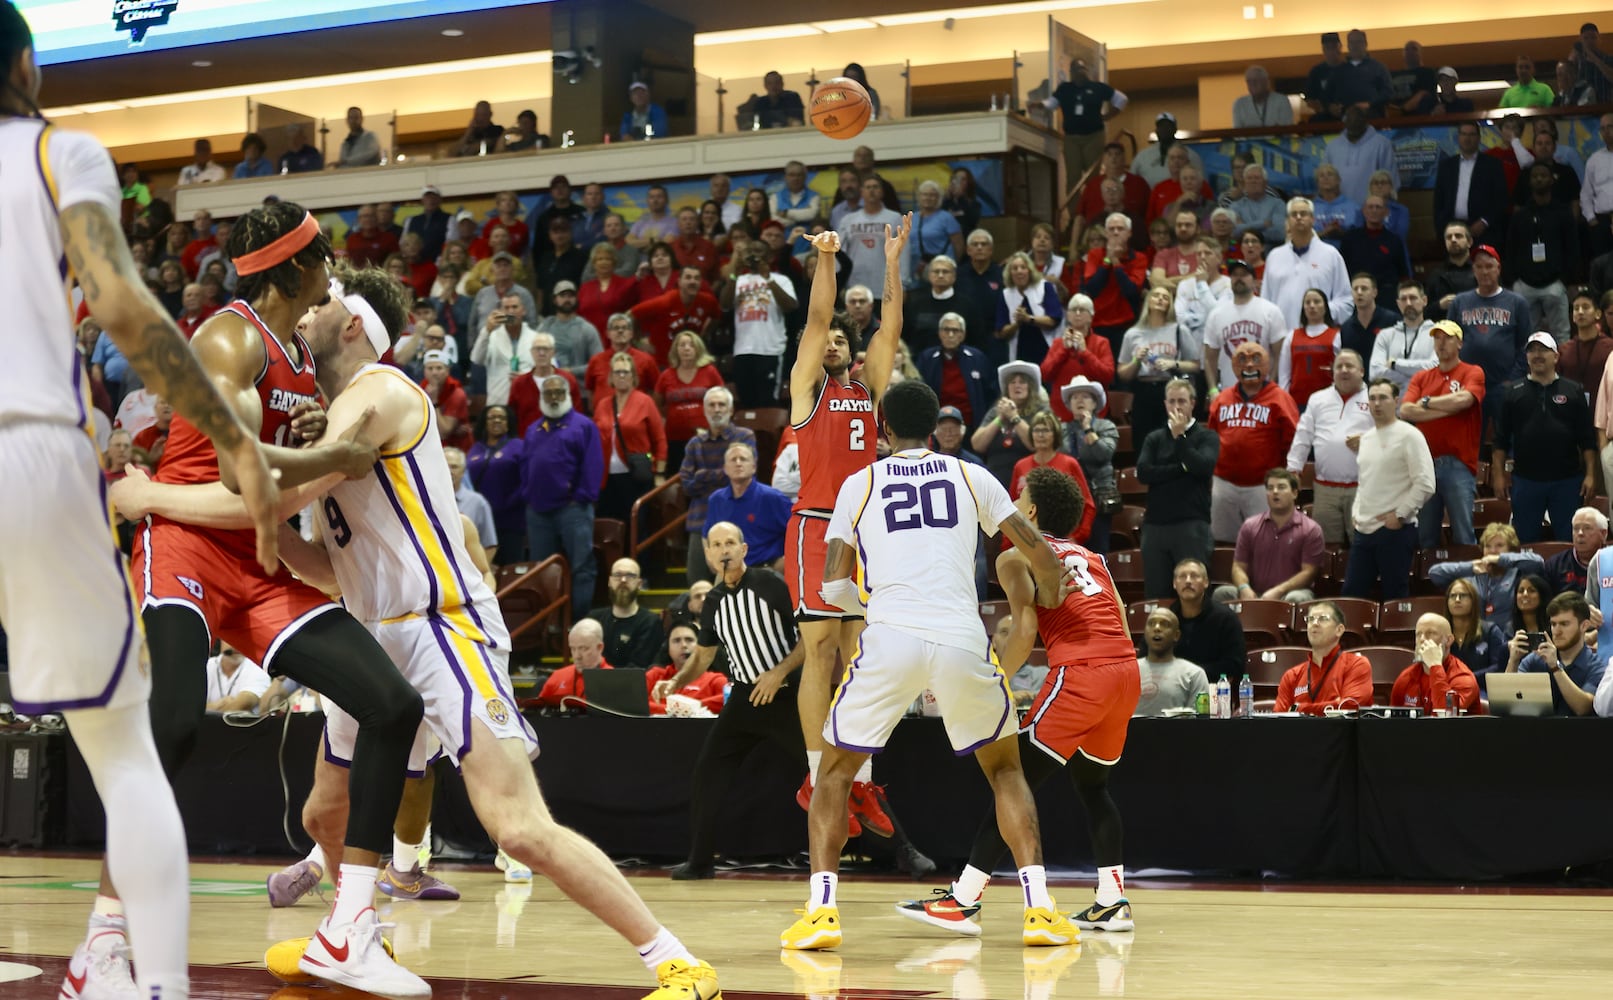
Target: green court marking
column 198, row 887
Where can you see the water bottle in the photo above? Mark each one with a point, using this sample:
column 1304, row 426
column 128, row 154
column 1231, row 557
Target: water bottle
column 727, row 689
column 1246, row 697
column 1223, row 698
column 1215, row 701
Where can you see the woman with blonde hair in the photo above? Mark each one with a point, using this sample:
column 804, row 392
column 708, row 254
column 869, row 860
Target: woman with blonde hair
column 633, row 438
column 1047, row 440
column 680, row 392
column 1029, row 310
column 606, row 293
column 1004, row 434
column 1495, row 574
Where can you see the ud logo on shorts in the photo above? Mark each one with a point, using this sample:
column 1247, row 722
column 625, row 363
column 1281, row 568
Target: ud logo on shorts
column 497, row 712
column 192, row 586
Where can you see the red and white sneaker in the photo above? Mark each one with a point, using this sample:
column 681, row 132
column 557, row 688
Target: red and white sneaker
column 353, row 956
column 99, row 970
column 943, row 911
column 803, row 798
column 867, row 806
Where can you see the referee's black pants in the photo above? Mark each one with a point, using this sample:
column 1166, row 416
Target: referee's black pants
column 740, row 728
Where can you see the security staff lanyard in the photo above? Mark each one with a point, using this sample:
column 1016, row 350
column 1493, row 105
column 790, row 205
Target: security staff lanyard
column 1312, row 683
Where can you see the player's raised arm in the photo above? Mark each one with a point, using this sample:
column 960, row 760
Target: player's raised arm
column 1014, row 573
column 808, row 368
column 148, row 338
column 881, row 347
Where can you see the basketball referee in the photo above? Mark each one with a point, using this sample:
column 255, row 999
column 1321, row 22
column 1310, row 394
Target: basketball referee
column 750, row 614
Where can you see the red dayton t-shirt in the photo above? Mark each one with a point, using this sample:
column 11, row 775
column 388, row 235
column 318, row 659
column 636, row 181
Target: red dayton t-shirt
column 1455, row 433
column 1255, row 433
column 665, row 316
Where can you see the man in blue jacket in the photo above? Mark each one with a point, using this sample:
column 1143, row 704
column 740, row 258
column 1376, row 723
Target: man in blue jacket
column 962, row 376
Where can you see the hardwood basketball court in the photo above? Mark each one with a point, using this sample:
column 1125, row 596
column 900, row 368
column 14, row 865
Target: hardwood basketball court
column 529, row 943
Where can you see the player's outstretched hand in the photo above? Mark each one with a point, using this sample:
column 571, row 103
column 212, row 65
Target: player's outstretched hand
column 827, row 241
column 358, row 457
column 308, row 421
column 896, row 241
column 260, row 492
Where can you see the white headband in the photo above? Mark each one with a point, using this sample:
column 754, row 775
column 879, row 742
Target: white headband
column 360, row 307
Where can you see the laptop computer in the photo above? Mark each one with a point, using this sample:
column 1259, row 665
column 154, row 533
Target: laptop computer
column 1519, row 694
column 623, row 691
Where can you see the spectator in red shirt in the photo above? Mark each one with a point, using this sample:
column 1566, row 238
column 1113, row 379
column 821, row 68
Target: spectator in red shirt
column 367, row 243
column 693, row 250
column 633, row 435
column 1114, row 276
column 1436, row 674
column 607, row 292
column 422, row 274
column 564, row 688
column 1046, row 436
column 688, row 306
column 1329, row 677
column 1134, row 189
column 1175, row 262
column 1256, row 421
column 526, row 394
column 1305, row 365
column 680, row 392
column 195, row 310
column 662, row 275
column 448, row 396
column 1446, row 403
column 707, row 686
column 150, row 442
column 621, row 336
column 1077, row 352
column 507, row 213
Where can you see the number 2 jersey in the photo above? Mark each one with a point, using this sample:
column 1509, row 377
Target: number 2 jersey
column 915, row 519
column 396, row 542
column 283, row 384
column 1089, row 626
column 836, row 440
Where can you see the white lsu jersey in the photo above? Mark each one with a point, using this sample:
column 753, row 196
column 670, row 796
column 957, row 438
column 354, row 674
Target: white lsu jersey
column 44, row 170
column 396, row 543
column 915, row 519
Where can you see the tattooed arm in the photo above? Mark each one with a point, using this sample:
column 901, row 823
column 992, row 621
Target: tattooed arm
column 142, row 329
column 1044, row 564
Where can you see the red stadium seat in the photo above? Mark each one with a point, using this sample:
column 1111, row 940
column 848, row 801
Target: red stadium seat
column 1397, row 619
column 1221, row 564
column 1127, row 483
column 1267, row 666
column 1126, row 528
column 1266, row 621
column 1126, row 567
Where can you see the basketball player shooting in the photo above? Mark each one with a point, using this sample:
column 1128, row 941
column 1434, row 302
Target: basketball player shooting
column 923, row 633
column 835, row 425
column 76, row 646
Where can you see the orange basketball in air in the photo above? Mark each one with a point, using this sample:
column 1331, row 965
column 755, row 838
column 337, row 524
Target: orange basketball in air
column 841, row 108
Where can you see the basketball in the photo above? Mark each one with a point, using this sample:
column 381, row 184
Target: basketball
column 841, row 108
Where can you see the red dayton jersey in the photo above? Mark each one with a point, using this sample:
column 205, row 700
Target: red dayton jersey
column 1089, row 626
column 284, row 384
column 836, row 440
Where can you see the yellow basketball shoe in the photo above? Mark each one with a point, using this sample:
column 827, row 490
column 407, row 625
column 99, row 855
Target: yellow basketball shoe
column 281, row 960
column 1046, row 928
column 815, row 931
column 682, row 981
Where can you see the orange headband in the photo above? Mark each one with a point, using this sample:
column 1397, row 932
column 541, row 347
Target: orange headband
column 281, row 250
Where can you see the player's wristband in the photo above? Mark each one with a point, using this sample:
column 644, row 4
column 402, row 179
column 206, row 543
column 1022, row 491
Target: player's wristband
column 843, row 594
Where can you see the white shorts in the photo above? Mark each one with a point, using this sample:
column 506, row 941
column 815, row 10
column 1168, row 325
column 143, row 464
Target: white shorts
column 892, row 668
column 65, row 601
column 459, row 679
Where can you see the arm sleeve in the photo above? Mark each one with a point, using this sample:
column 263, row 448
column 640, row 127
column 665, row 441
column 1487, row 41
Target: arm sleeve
column 83, row 171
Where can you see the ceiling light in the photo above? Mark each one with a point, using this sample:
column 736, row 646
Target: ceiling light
column 849, row 24
column 258, row 90
column 995, row 10
column 1472, row 85
column 201, row 63
column 767, row 34
column 452, row 32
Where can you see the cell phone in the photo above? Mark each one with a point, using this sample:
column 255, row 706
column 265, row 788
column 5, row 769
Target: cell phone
column 1536, row 639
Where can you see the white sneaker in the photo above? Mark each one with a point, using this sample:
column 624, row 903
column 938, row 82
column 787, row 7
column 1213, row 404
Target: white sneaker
column 99, row 970
column 353, row 956
column 514, row 871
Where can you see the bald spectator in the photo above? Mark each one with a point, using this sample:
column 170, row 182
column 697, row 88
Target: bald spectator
column 1168, row 681
column 1256, row 420
column 1436, row 680
column 564, row 688
column 1330, row 677
column 633, row 635
column 1261, row 107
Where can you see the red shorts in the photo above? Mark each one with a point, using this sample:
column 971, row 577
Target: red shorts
column 1085, row 708
column 805, row 550
column 178, row 565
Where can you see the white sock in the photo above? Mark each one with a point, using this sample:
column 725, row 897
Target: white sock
column 866, row 772
column 405, row 856
column 823, row 890
column 107, row 915
column 145, row 842
column 813, row 757
column 970, row 886
column 317, row 857
column 1111, row 885
column 1033, row 879
column 664, row 947
column 355, row 893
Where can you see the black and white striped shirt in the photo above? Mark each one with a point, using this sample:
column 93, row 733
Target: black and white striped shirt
column 754, row 620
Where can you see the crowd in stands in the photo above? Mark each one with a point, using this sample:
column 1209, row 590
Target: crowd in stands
column 1217, row 363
